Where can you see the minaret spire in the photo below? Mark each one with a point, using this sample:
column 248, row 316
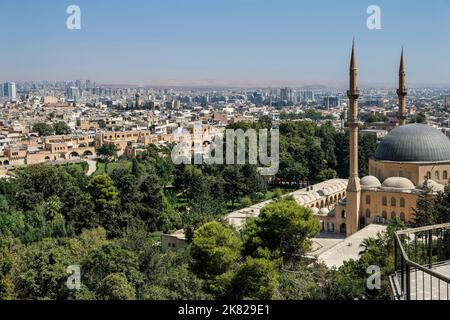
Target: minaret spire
column 353, row 95
column 402, row 92
column 354, row 186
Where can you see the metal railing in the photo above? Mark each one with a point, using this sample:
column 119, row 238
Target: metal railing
column 422, row 261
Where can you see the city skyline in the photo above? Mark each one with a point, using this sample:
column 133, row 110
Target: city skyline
column 241, row 44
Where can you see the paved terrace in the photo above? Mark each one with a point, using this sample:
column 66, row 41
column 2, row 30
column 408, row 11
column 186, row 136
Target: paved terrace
column 348, row 248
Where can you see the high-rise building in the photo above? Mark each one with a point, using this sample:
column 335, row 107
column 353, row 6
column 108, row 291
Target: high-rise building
column 286, row 94
column 331, row 102
column 9, row 91
column 73, row 94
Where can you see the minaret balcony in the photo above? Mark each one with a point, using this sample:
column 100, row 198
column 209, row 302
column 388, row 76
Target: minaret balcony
column 402, row 92
column 355, row 93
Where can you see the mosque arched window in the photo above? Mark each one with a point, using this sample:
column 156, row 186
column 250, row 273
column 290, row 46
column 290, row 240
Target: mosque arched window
column 445, row 175
column 402, row 216
column 367, row 199
column 393, row 215
column 384, row 215
column 368, row 213
column 384, row 201
column 428, row 176
column 402, row 202
column 437, row 175
column 393, row 202
column 343, row 214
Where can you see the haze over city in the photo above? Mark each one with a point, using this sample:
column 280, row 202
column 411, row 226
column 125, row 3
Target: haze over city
column 223, row 43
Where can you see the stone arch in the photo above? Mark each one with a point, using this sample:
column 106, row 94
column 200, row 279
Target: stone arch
column 88, row 153
column 6, row 163
column 74, row 154
column 343, row 214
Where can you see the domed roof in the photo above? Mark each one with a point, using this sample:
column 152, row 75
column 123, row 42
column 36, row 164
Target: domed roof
column 433, row 185
column 370, row 182
column 397, row 183
column 315, row 210
column 324, row 211
column 414, row 143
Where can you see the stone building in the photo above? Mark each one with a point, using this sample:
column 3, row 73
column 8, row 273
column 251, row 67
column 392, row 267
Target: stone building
column 409, row 158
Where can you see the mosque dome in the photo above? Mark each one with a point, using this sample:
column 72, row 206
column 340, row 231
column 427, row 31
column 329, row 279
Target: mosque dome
column 397, row 183
column 370, row 182
column 414, row 143
column 433, row 185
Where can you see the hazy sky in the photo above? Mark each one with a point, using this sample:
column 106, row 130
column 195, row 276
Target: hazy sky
column 154, row 41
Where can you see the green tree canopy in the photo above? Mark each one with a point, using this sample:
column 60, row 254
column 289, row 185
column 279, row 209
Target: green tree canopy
column 282, row 226
column 215, row 248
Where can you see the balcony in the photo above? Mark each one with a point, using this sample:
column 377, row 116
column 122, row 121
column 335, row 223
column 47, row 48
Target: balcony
column 422, row 261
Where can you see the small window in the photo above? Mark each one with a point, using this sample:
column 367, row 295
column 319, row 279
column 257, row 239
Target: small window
column 393, row 215
column 393, row 202
column 343, row 214
column 437, row 175
column 368, row 213
column 367, row 199
column 402, row 202
column 384, row 215
column 384, row 201
column 402, row 216
column 445, row 175
column 428, row 176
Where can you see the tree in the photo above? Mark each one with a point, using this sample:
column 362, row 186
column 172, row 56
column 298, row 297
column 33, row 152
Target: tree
column 103, row 192
column 116, row 287
column 111, row 258
column 246, row 202
column 442, row 205
column 215, row 248
column 108, row 152
column 283, row 227
column 425, row 211
column 40, row 272
column 43, row 129
column 419, row 118
column 326, row 174
column 255, row 279
column 61, row 128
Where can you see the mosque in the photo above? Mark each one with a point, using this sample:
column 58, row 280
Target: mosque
column 410, row 157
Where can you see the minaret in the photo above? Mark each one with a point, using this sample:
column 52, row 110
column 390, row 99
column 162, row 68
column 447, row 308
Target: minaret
column 137, row 101
column 354, row 187
column 402, row 92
